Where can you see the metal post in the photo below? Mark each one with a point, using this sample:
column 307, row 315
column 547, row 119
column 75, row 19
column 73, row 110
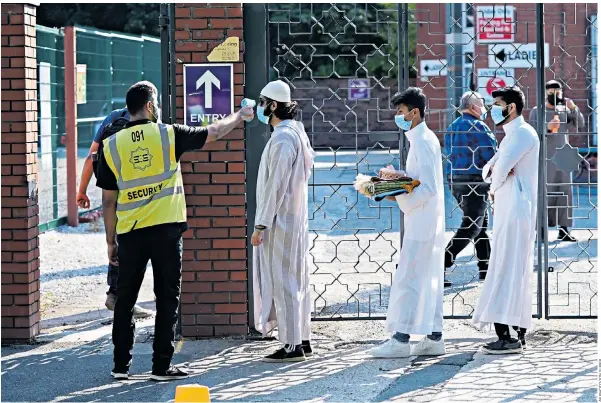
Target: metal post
column 542, row 168
column 256, row 59
column 172, row 62
column 454, row 58
column 164, row 27
column 403, row 83
column 71, row 125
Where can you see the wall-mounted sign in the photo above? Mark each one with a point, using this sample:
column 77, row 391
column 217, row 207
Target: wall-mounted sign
column 490, row 80
column 495, row 24
column 515, row 55
column 358, row 88
column 433, row 68
column 208, row 93
column 81, row 84
column 228, row 51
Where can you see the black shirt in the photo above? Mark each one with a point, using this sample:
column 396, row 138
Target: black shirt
column 186, row 139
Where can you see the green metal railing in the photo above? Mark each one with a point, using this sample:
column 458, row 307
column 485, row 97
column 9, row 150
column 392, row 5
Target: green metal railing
column 112, row 62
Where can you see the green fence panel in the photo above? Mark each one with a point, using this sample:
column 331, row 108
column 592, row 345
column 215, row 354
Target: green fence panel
column 113, row 62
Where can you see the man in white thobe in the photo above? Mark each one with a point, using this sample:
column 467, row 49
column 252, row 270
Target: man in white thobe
column 281, row 238
column 416, row 294
column 506, row 298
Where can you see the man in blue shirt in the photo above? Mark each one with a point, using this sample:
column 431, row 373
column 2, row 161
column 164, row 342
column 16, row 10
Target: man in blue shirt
column 84, row 202
column 469, row 145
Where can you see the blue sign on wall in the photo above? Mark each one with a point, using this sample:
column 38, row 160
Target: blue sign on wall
column 208, row 93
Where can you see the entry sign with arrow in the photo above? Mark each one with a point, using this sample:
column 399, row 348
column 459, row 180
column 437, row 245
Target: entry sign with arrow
column 209, row 93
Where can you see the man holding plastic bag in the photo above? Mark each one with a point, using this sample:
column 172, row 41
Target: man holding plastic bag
column 506, row 298
column 416, row 293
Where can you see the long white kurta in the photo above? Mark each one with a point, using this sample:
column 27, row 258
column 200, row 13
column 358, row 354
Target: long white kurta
column 416, row 294
column 507, row 293
column 281, row 273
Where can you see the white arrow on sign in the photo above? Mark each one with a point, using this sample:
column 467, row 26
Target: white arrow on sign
column 208, row 79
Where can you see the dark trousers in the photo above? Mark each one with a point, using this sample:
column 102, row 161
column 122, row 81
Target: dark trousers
column 503, row 331
column 162, row 245
column 112, row 278
column 473, row 200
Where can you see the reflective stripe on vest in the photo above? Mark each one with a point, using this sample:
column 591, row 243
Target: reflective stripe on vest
column 159, row 195
column 134, row 183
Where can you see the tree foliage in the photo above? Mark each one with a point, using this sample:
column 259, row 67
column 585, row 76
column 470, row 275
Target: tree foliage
column 336, row 40
column 129, row 17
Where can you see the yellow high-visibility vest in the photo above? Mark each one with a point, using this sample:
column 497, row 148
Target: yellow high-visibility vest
column 151, row 188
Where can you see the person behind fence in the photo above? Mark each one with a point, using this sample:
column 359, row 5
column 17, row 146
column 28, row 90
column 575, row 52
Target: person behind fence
column 145, row 215
column 562, row 115
column 281, row 236
column 416, row 294
column 469, row 145
column 113, row 121
column 506, row 298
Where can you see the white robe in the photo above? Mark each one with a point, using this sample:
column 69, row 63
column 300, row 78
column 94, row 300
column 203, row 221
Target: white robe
column 416, row 294
column 507, row 293
column 281, row 273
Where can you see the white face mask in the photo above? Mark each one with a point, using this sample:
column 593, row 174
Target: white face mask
column 499, row 114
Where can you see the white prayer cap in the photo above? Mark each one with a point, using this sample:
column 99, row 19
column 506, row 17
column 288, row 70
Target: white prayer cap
column 277, row 90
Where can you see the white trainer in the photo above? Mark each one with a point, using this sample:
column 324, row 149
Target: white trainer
column 141, row 313
column 428, row 347
column 391, row 349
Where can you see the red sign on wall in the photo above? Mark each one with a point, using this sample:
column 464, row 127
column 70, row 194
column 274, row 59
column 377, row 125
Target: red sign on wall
column 495, row 24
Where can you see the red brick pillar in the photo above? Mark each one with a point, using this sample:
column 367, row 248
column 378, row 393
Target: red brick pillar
column 20, row 253
column 214, row 288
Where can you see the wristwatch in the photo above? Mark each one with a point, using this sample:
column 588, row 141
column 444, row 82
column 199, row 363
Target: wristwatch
column 260, row 229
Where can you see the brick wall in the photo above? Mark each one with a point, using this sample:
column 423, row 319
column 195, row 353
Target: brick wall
column 567, row 59
column 214, row 288
column 20, row 253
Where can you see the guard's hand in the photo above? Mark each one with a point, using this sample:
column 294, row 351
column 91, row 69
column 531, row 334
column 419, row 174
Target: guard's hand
column 112, row 250
column 391, row 198
column 82, row 200
column 571, row 105
column 257, row 238
column 246, row 113
column 511, row 172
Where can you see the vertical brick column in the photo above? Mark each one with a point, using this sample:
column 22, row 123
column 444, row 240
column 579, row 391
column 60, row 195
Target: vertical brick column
column 214, row 288
column 20, row 254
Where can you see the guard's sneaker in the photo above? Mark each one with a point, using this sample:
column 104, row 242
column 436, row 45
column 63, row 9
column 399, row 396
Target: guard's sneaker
column 482, row 275
column 141, row 313
column 498, row 347
column 306, row 345
column 447, row 283
column 120, row 374
column 110, row 301
column 296, row 355
column 171, row 374
column 428, row 347
column 391, row 349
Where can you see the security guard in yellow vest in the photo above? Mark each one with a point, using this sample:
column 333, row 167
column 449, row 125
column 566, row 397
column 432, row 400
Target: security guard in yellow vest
column 145, row 215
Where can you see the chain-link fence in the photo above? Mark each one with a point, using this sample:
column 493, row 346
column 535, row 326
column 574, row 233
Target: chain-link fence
column 107, row 64
column 344, row 62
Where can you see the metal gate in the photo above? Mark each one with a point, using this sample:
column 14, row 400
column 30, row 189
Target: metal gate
column 344, row 62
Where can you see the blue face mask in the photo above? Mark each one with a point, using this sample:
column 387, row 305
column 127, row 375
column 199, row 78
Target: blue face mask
column 483, row 116
column 261, row 115
column 497, row 114
column 402, row 123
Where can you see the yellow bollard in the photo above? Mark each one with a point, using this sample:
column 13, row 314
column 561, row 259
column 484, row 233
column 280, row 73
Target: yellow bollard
column 192, row 394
